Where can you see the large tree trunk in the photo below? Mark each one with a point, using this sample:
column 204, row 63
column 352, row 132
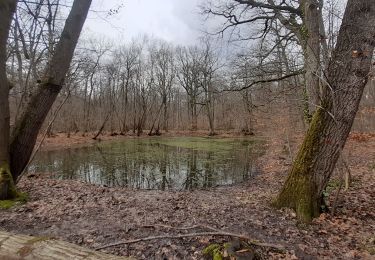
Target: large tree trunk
column 28, row 126
column 28, row 247
column 7, row 190
column 347, row 76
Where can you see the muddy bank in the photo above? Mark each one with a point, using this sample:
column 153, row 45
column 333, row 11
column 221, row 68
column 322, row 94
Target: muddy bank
column 94, row 216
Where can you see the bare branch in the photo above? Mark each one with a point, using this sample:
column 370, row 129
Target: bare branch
column 268, row 80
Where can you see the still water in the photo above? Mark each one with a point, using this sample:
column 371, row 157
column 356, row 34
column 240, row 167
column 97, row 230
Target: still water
column 155, row 163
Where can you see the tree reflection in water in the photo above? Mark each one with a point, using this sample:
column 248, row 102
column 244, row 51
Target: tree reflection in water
column 156, row 163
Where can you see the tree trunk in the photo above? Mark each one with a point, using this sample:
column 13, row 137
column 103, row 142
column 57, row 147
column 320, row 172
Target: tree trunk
column 347, row 76
column 165, row 115
column 7, row 189
column 211, row 115
column 194, row 116
column 210, row 111
column 28, row 247
column 311, row 48
column 29, row 125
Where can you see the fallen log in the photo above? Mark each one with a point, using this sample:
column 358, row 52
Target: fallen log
column 23, row 247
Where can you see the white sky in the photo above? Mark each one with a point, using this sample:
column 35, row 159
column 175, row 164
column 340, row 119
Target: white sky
column 176, row 21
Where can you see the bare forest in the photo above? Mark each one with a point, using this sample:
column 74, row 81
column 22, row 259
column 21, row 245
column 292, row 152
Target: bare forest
column 253, row 140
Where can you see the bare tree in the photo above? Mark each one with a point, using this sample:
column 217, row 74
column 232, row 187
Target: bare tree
column 129, row 57
column 188, row 76
column 27, row 127
column 346, row 77
column 208, row 64
column 165, row 74
column 302, row 18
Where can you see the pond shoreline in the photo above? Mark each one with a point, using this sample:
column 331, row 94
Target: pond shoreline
column 94, row 216
column 62, row 141
column 165, row 163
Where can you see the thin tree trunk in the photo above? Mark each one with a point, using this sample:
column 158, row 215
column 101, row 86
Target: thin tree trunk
column 165, row 115
column 347, row 75
column 194, row 116
column 210, row 111
column 30, row 123
column 102, row 126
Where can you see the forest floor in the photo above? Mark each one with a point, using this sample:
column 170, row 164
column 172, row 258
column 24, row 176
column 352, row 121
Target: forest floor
column 95, row 216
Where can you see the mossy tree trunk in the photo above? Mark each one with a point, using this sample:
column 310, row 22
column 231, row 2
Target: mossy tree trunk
column 347, row 75
column 7, row 186
column 7, row 189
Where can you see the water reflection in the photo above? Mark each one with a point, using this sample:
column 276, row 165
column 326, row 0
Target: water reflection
column 155, row 163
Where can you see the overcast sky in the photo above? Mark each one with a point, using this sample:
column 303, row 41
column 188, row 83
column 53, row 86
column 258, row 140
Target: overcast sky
column 176, row 21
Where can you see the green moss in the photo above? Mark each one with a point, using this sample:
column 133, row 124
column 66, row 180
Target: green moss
column 213, row 250
column 7, row 204
column 153, row 144
column 210, row 249
column 7, row 186
column 21, row 198
column 299, row 191
column 217, row 256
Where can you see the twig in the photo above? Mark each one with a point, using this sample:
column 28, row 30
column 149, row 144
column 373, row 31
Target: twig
column 184, row 228
column 348, row 175
column 343, row 179
column 222, row 233
column 171, row 227
column 337, row 197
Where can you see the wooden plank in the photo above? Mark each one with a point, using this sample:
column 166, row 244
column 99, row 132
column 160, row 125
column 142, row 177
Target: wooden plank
column 23, row 247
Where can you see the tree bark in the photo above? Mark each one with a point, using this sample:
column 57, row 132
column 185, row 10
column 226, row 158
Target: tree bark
column 194, row 115
column 7, row 189
column 27, row 247
column 347, row 75
column 311, row 51
column 28, row 126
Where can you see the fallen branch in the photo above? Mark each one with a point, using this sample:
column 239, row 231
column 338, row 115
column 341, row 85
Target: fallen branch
column 222, row 233
column 170, row 227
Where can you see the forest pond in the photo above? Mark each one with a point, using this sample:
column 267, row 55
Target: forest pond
column 176, row 163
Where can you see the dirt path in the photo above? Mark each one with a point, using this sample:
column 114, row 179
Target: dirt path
column 93, row 216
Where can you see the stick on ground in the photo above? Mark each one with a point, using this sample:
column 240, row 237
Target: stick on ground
column 213, row 233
